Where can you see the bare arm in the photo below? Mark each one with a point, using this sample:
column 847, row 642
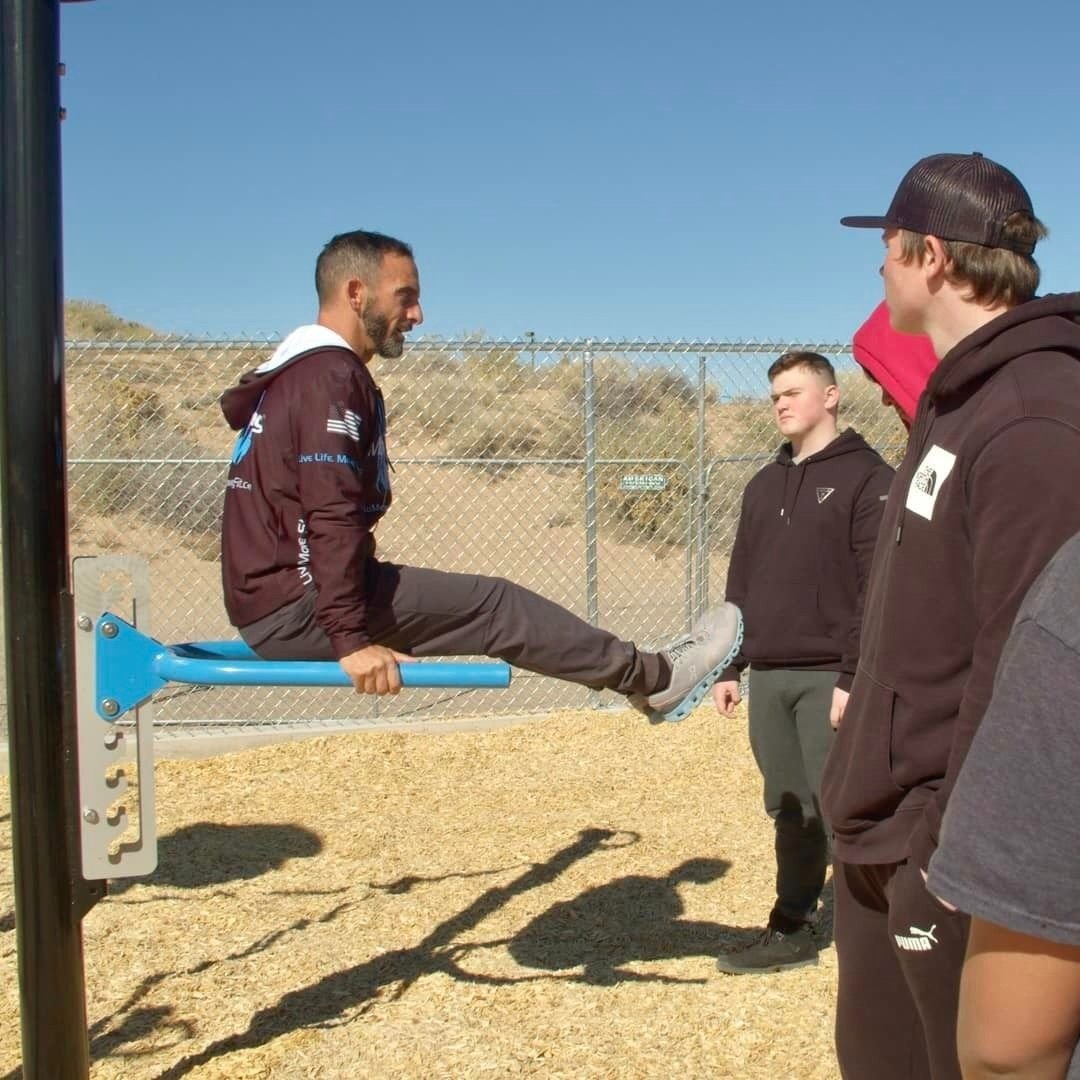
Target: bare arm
column 1019, row 1005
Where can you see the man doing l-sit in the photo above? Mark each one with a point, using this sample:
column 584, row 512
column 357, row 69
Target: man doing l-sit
column 309, row 481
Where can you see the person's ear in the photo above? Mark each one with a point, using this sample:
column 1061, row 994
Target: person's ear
column 356, row 293
column 935, row 259
column 832, row 396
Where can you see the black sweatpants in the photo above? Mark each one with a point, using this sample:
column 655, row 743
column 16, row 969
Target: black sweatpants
column 791, row 736
column 900, row 952
column 434, row 613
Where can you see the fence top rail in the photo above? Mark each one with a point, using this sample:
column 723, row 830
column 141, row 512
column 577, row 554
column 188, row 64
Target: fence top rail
column 177, row 343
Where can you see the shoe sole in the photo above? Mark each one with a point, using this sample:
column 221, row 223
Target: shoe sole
column 772, row 969
column 692, row 700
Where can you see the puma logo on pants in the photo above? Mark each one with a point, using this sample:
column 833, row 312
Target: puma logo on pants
column 918, row 941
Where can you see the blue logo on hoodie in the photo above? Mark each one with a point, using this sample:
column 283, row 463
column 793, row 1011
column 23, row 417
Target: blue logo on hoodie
column 244, row 439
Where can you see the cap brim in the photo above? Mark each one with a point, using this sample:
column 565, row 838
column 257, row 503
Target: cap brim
column 865, row 222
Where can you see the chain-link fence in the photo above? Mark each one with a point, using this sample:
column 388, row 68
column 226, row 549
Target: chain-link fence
column 605, row 475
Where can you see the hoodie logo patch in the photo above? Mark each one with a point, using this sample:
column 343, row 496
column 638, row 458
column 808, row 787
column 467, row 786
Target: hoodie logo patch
column 243, row 440
column 823, row 494
column 344, row 422
column 928, row 481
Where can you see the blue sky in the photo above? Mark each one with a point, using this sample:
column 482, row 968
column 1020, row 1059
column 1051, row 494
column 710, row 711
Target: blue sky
column 604, row 168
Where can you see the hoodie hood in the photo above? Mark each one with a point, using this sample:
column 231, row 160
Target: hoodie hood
column 901, row 364
column 849, row 441
column 1049, row 324
column 240, row 402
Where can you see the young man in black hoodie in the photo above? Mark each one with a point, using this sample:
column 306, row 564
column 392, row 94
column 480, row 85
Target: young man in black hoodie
column 309, row 481
column 985, row 495
column 798, row 571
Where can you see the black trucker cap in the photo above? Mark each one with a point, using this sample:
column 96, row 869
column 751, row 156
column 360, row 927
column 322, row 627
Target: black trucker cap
column 965, row 197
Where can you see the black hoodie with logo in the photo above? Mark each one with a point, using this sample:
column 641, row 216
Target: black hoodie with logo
column 987, row 492
column 802, row 556
column 308, row 482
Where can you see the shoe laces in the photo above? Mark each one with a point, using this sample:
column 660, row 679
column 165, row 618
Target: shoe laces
column 681, row 648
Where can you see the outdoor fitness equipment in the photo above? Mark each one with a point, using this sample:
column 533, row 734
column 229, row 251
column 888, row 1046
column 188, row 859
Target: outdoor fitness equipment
column 71, row 825
column 118, row 668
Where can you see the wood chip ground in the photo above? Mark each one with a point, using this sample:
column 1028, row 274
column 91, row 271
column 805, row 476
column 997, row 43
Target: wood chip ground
column 544, row 899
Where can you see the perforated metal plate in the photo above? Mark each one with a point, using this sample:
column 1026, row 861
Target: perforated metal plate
column 116, row 757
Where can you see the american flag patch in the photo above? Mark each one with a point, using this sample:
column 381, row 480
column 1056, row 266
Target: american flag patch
column 344, row 422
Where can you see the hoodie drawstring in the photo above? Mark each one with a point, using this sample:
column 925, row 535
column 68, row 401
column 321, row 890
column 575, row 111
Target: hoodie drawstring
column 800, row 471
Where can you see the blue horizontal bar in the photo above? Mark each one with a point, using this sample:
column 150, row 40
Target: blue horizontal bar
column 130, row 667
column 207, row 664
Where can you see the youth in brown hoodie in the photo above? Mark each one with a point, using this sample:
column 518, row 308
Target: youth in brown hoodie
column 802, row 556
column 985, row 495
column 798, row 571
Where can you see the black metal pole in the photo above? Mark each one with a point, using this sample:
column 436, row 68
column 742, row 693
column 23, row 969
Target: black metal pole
column 49, row 897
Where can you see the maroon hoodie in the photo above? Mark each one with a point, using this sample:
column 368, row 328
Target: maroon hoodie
column 309, row 479
column 987, row 492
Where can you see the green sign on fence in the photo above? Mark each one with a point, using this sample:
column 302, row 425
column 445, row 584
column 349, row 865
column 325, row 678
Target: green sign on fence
column 646, row 482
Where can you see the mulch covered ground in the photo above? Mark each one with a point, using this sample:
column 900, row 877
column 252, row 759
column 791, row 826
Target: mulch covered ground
column 544, row 899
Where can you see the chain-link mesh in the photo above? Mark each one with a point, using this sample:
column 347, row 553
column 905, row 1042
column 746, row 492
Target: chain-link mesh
column 605, row 475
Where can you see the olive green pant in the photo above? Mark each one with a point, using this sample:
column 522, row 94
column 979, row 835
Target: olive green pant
column 790, row 735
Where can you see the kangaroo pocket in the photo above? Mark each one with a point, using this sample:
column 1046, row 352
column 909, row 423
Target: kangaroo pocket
column 858, row 789
column 920, row 743
column 784, row 623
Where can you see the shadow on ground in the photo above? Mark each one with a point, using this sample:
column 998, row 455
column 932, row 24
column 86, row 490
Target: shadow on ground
column 635, row 918
column 347, row 994
column 209, row 853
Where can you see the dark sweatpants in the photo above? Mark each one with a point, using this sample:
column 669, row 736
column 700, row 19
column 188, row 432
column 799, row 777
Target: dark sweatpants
column 790, row 735
column 899, row 954
column 434, row 613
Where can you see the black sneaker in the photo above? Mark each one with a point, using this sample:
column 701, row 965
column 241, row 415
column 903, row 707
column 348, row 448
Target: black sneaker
column 773, row 951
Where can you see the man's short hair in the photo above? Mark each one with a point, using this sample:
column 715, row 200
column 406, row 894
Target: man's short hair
column 992, row 275
column 813, row 361
column 354, row 254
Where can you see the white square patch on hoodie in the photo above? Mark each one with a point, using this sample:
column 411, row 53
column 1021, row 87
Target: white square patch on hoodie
column 928, row 481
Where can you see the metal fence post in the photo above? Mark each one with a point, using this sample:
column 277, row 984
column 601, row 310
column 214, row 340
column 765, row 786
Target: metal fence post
column 701, row 581
column 592, row 567
column 50, row 897
column 592, row 583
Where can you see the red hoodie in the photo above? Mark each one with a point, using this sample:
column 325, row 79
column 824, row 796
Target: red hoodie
column 899, row 363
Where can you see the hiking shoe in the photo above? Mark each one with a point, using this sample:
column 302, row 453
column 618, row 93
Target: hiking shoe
column 773, row 951
column 697, row 661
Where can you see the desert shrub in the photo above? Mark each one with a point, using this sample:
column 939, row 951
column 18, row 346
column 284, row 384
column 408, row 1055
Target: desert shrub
column 121, row 431
column 422, row 407
column 496, row 435
column 861, row 408
column 498, row 370
column 625, row 389
column 87, row 320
